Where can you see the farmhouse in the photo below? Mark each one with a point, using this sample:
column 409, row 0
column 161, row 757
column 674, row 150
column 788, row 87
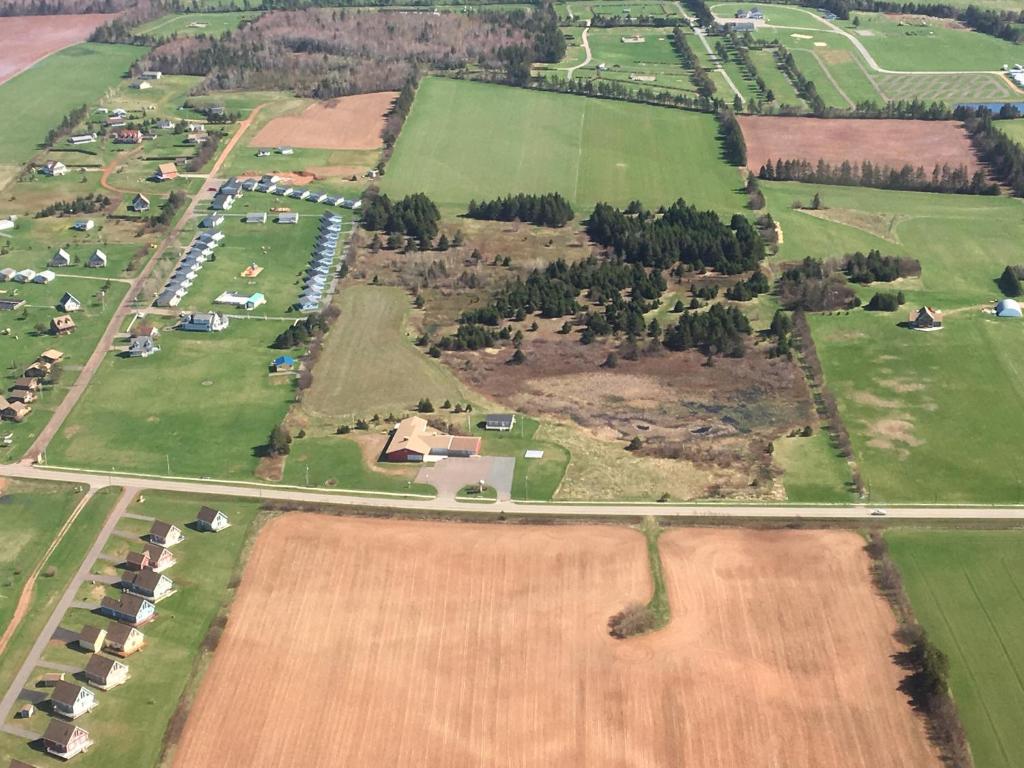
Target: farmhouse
column 98, row 260
column 84, row 225
column 61, row 259
column 65, row 740
column 927, row 319
column 152, row 74
column 53, row 168
column 500, row 422
column 45, row 277
column 166, row 172
column 147, row 583
column 1008, row 308
column 72, row 701
column 106, row 673
column 62, row 325
column 165, row 534
column 142, row 346
column 140, row 204
column 255, row 218
column 91, row 638
column 68, row 303
column 130, row 609
column 204, row 322
column 210, row 519
column 123, row 640
column 413, row 440
column 164, row 125
column 142, row 85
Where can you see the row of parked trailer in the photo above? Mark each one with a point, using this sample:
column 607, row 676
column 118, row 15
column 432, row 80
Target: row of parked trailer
column 318, row 273
column 198, row 253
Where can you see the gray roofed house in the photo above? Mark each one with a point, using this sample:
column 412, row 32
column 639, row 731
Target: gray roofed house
column 142, row 346
column 204, row 322
column 165, row 534
column 168, row 298
column 501, row 422
column 131, row 609
column 140, row 203
column 223, row 202
column 249, row 184
column 210, row 519
column 68, row 303
column 213, row 220
column 288, row 218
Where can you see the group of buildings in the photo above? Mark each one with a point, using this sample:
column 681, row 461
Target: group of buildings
column 276, row 185
column 143, row 585
column 26, row 388
column 318, row 273
column 195, row 256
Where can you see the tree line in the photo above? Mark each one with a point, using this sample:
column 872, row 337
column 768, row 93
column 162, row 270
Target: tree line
column 942, row 178
column 67, row 125
column 1003, row 155
column 617, row 90
column 545, row 210
column 82, row 204
column 205, row 152
column 698, row 75
column 396, row 119
column 734, row 145
column 805, row 87
column 679, row 233
column 876, row 268
column 414, row 216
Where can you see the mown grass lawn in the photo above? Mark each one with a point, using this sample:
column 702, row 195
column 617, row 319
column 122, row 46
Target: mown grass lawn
column 967, row 590
column 205, row 403
column 129, row 724
column 814, row 471
column 191, row 24
column 534, row 479
column 589, row 150
column 336, row 462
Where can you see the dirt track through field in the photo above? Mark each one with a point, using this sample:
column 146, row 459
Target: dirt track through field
column 894, row 143
column 351, row 122
column 24, row 40
column 397, row 643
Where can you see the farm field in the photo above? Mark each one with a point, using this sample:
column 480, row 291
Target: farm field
column 965, row 587
column 924, row 430
column 26, row 40
column 351, row 122
column 202, row 406
column 589, row 150
column 540, row 599
column 189, row 24
column 131, row 723
column 893, row 143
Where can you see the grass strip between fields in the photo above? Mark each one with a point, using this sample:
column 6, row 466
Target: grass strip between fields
column 658, row 605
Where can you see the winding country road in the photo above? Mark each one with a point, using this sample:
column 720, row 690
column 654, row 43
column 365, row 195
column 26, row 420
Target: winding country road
column 586, row 47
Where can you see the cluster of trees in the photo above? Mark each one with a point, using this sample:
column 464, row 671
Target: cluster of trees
column 719, row 330
column 806, row 88
column 546, row 210
column 1004, row 156
column 206, row 152
column 755, row 197
column 679, row 233
column 617, row 90
column 279, row 443
column 175, row 202
column 635, row 619
column 698, row 75
column 742, row 51
column 90, row 203
column 813, row 286
column 1010, row 281
column 942, row 178
column 302, row 331
column 701, row 10
column 876, row 268
column 67, row 125
column 1002, row 24
column 781, row 330
column 748, row 289
column 415, row 216
column 325, row 53
column 604, row 22
column 733, row 143
column 884, row 301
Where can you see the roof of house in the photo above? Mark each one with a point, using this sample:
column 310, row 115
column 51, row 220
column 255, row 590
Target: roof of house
column 66, row 298
column 52, row 354
column 90, row 634
column 137, row 559
column 118, row 633
column 207, row 514
column 503, row 419
column 167, row 168
column 127, row 604
column 99, row 666
column 65, row 693
column 145, row 579
column 414, row 434
column 62, row 322
column 159, row 527
column 60, row 732
column 155, row 551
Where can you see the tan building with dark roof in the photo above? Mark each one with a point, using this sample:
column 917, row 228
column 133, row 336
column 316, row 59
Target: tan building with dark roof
column 91, row 638
column 123, row 639
column 165, row 534
column 106, row 673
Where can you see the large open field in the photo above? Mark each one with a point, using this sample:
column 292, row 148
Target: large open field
column 893, row 143
column 25, row 40
column 351, row 122
column 587, row 149
column 189, row 24
column 966, row 589
column 464, row 645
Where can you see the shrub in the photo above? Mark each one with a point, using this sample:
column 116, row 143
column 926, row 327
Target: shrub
column 634, row 619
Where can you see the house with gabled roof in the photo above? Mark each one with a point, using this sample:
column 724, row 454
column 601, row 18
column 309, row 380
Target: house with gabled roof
column 62, row 325
column 84, row 225
column 142, row 346
column 165, row 534
column 413, row 440
column 13, row 410
column 105, row 673
column 159, row 558
column 91, row 638
column 53, row 168
column 68, row 303
column 123, row 640
column 98, row 260
column 166, row 172
column 147, row 583
column 131, row 609
column 210, row 519
column 204, row 322
column 140, row 203
column 65, row 740
column 71, row 701
column 50, row 356
column 60, row 259
column 926, row 319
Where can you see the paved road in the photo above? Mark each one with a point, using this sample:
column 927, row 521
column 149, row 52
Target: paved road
column 582, row 509
column 586, row 47
column 66, row 601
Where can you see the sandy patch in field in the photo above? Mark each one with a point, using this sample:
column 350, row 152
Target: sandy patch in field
column 902, row 385
column 821, row 45
column 873, row 400
column 351, row 122
column 24, row 40
column 398, row 643
column 886, row 433
column 892, row 143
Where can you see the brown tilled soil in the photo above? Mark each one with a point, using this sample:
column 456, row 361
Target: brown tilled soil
column 351, row 122
column 24, row 40
column 893, row 143
column 396, row 643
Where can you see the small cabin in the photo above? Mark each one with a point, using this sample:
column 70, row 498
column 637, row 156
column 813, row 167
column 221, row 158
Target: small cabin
column 106, row 673
column 91, row 638
column 65, row 740
column 210, row 519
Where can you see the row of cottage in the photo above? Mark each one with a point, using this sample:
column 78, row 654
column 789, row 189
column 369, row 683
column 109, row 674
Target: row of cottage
column 143, row 585
column 276, row 185
column 15, row 406
column 319, row 269
column 197, row 254
column 62, row 258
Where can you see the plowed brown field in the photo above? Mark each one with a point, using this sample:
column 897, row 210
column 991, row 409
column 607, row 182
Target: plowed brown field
column 395, row 643
column 892, row 143
column 351, row 122
column 24, row 40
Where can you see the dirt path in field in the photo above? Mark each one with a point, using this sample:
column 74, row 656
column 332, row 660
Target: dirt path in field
column 586, row 47
column 27, row 40
column 424, row 643
column 25, row 598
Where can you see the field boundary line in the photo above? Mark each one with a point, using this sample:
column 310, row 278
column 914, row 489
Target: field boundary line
column 995, row 630
column 831, row 79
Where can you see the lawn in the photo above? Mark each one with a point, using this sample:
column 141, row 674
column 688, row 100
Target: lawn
column 966, row 590
column 52, row 88
column 589, row 150
column 129, row 724
column 336, row 462
column 930, row 414
column 779, row 15
column 815, row 473
column 202, row 406
column 534, row 479
column 189, row 24
column 369, row 364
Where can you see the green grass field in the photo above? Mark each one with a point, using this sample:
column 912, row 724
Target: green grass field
column 52, row 88
column 204, row 403
column 931, row 414
column 967, row 590
column 190, row 24
column 534, row 479
column 587, row 149
column 780, row 85
column 129, row 724
column 814, row 470
column 336, row 462
column 1013, row 128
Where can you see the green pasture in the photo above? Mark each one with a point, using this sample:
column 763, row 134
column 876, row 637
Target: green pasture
column 128, row 725
column 815, row 472
column 589, row 150
column 930, row 414
column 1013, row 128
column 967, row 590
column 655, row 54
column 205, row 404
column 948, row 88
column 190, row 24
